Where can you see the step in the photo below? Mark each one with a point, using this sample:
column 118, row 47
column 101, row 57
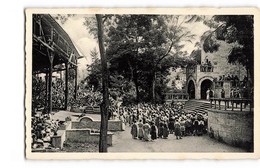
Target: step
column 197, row 105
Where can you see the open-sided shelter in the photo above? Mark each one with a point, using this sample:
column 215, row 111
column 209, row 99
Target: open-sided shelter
column 52, row 46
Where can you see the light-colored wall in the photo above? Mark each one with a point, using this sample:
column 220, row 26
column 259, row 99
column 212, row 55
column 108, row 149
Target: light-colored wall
column 219, row 60
column 87, row 122
column 234, row 128
column 58, row 140
column 76, row 135
column 84, row 135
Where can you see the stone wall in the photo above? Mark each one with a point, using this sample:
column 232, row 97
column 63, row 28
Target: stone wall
column 232, row 127
column 67, row 133
column 85, row 135
column 87, row 122
column 86, row 109
column 58, row 140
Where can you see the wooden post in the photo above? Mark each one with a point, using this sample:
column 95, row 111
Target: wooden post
column 66, row 85
column 51, row 57
column 215, row 102
column 232, row 103
column 219, row 101
column 225, row 104
column 47, row 90
column 241, row 105
column 76, row 81
column 210, row 103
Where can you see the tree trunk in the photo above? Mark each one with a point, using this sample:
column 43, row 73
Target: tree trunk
column 104, row 106
column 131, row 70
column 135, row 79
column 153, row 86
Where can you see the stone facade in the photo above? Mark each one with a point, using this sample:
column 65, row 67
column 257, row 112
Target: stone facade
column 232, row 127
column 220, row 67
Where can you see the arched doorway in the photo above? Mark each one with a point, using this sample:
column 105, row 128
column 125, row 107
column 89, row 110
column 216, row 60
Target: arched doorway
column 191, row 89
column 205, row 85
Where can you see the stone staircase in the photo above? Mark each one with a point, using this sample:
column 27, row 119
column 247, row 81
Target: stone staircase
column 199, row 106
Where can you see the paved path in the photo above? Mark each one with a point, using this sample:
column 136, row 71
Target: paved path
column 123, row 142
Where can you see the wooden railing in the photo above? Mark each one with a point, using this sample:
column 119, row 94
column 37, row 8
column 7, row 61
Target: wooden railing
column 230, row 103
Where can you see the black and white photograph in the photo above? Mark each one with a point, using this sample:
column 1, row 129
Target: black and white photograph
column 141, row 83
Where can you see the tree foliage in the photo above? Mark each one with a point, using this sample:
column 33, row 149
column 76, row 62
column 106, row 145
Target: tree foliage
column 140, row 46
column 94, row 69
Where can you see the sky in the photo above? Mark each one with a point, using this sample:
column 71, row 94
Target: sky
column 197, row 28
column 85, row 42
column 79, row 35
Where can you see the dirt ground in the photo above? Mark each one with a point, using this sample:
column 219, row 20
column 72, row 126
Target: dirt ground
column 123, row 142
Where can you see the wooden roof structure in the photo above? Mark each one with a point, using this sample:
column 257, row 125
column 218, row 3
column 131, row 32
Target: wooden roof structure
column 52, row 50
column 50, row 40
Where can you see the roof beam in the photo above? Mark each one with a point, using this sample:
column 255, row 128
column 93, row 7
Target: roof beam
column 45, row 44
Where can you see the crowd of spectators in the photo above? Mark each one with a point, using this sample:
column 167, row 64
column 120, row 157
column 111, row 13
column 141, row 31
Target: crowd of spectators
column 149, row 122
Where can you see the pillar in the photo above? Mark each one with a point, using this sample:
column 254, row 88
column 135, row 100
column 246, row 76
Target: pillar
column 76, row 82
column 66, row 85
column 51, row 57
column 46, row 87
column 50, row 87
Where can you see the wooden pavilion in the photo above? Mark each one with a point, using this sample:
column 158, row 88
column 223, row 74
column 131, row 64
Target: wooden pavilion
column 51, row 47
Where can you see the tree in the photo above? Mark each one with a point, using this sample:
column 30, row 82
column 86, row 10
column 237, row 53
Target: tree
column 104, row 106
column 94, row 54
column 140, row 46
column 94, row 69
column 98, row 30
column 128, row 40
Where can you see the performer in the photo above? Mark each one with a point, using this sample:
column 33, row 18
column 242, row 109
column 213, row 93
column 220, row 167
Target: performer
column 140, row 130
column 165, row 130
column 177, row 129
column 211, row 93
column 182, row 124
column 146, row 128
column 160, row 130
column 196, row 126
column 171, row 125
column 153, row 131
column 134, row 130
column 222, row 93
column 207, row 94
column 122, row 118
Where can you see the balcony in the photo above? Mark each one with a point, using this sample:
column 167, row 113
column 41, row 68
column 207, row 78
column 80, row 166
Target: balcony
column 206, row 68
